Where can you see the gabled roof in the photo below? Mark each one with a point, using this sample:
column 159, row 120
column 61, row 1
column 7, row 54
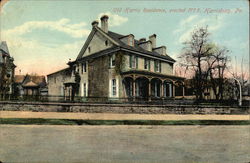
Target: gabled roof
column 66, row 70
column 4, row 47
column 19, row 79
column 30, row 84
column 115, row 39
column 34, row 80
column 91, row 35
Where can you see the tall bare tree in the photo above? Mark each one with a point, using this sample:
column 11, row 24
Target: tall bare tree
column 217, row 63
column 194, row 58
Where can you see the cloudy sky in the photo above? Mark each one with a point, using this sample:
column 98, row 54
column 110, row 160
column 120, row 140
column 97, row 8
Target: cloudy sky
column 43, row 35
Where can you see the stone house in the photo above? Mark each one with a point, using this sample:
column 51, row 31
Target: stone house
column 7, row 70
column 115, row 66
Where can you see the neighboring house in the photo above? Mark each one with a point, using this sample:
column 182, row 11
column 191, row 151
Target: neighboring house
column 116, row 66
column 30, row 85
column 230, row 90
column 7, row 70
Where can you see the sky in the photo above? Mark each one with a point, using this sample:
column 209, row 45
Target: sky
column 43, row 35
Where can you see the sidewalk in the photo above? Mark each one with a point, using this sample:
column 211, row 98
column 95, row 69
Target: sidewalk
column 110, row 116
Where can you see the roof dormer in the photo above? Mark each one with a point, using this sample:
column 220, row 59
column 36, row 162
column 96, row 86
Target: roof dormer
column 146, row 45
column 160, row 50
column 128, row 39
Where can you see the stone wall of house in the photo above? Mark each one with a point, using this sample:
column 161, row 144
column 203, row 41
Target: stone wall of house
column 98, row 77
column 121, row 108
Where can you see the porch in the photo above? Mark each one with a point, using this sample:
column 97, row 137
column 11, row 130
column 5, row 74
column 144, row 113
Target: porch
column 152, row 86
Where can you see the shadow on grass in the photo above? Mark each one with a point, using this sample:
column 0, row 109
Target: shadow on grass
column 41, row 121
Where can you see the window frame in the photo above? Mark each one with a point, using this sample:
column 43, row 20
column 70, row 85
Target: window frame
column 113, row 87
column 84, row 67
column 146, row 64
column 112, row 61
column 157, row 66
column 133, row 61
column 84, row 90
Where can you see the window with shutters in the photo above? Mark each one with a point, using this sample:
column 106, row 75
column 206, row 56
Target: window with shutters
column 146, row 64
column 133, row 61
column 157, row 66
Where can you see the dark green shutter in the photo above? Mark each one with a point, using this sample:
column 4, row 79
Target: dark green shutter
column 160, row 66
column 109, row 61
column 149, row 64
column 155, row 66
column 136, row 61
column 130, row 61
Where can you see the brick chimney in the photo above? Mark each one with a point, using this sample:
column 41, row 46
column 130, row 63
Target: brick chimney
column 104, row 23
column 95, row 23
column 142, row 40
column 152, row 38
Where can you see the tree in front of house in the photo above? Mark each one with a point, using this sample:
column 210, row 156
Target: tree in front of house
column 217, row 63
column 206, row 61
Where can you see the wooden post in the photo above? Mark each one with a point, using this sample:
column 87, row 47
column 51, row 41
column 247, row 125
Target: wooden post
column 149, row 90
column 134, row 89
column 183, row 91
column 162, row 89
column 173, row 90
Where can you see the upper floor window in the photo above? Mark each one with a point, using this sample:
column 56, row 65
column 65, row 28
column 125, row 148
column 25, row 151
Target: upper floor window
column 146, row 64
column 89, row 49
column 84, row 67
column 106, row 43
column 157, row 66
column 133, row 61
column 112, row 60
column 113, row 87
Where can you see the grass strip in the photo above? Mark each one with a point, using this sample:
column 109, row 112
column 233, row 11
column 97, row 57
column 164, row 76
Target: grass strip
column 41, row 121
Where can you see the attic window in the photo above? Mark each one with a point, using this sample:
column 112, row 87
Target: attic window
column 89, row 49
column 106, row 42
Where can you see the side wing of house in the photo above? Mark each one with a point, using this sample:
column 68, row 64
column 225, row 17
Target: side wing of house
column 56, row 82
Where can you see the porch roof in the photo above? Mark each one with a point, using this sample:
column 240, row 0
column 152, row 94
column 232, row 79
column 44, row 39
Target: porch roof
column 152, row 74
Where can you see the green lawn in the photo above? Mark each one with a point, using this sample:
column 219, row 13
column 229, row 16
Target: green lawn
column 41, row 121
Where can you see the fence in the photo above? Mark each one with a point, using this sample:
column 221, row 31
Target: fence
column 109, row 100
